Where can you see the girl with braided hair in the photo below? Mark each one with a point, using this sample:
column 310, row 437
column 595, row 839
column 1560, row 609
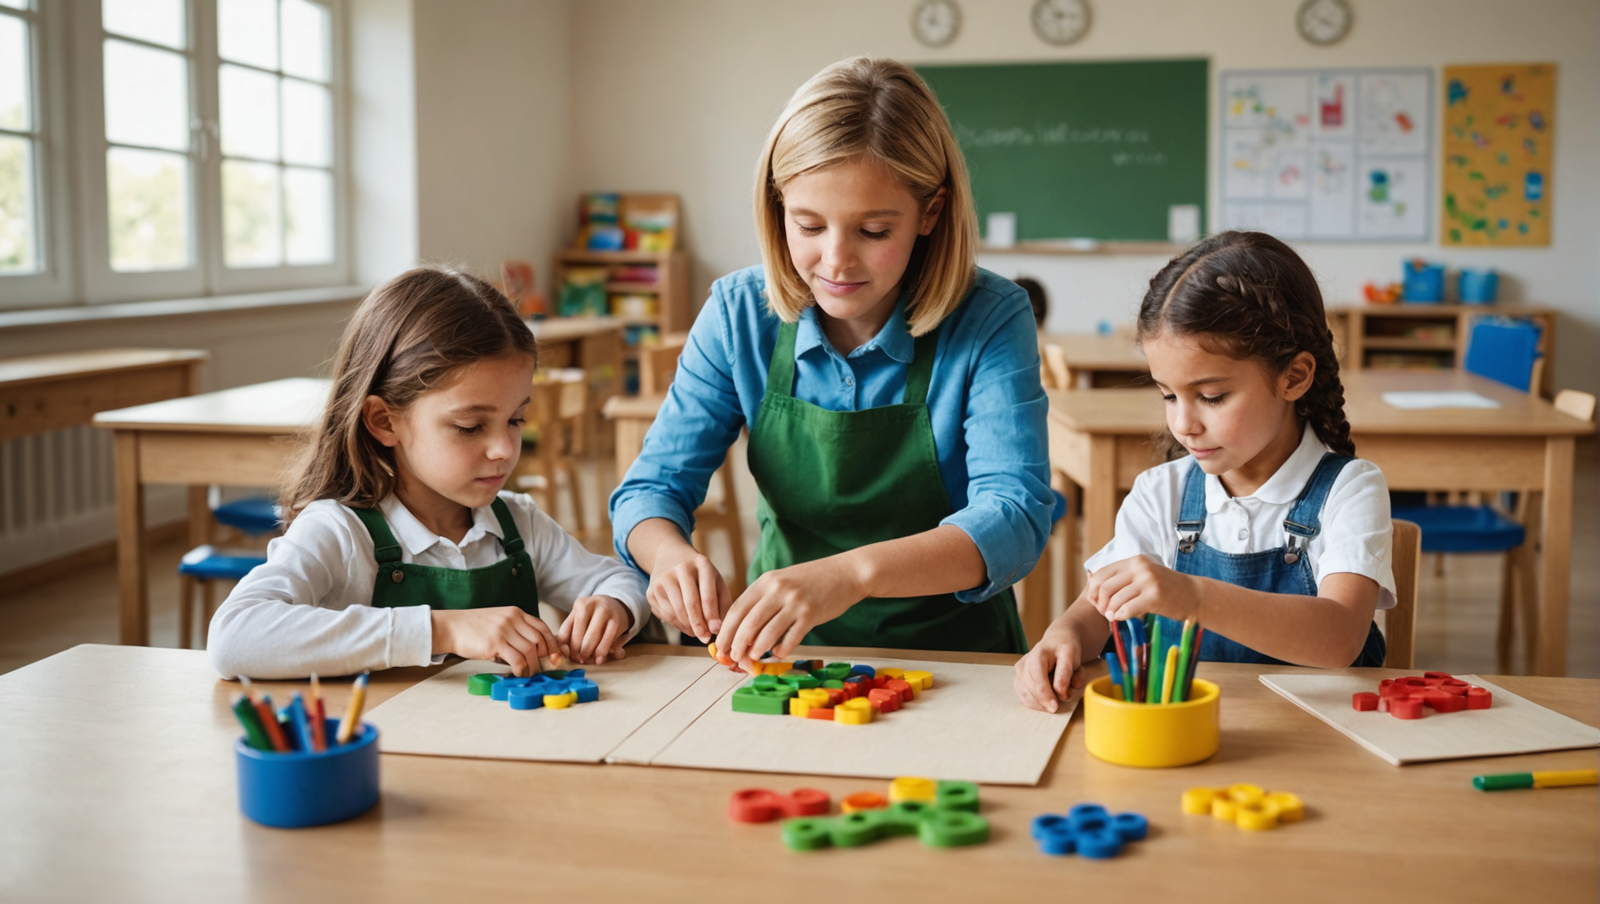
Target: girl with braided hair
column 1270, row 533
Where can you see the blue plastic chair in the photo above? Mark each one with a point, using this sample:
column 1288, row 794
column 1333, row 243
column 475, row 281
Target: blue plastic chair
column 204, row 564
column 1503, row 350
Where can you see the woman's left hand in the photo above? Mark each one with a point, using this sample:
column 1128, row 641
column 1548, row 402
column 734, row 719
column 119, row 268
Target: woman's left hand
column 778, row 610
column 1139, row 585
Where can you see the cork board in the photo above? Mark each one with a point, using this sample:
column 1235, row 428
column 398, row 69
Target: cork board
column 1512, row 725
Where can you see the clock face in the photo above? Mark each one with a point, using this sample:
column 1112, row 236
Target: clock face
column 935, row 22
column 1060, row 21
column 1323, row 21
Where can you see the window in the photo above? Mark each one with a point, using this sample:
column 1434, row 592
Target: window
column 208, row 150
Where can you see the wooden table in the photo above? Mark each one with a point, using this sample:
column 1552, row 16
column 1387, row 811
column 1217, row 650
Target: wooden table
column 594, row 344
column 236, row 437
column 1102, row 439
column 137, row 801
column 1099, row 360
column 40, row 393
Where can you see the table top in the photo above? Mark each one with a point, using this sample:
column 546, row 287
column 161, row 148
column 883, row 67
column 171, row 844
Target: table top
column 16, row 372
column 274, row 408
column 566, row 329
column 1138, row 411
column 1093, row 351
column 124, row 789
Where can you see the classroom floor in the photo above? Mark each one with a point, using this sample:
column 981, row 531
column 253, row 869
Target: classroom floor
column 1456, row 619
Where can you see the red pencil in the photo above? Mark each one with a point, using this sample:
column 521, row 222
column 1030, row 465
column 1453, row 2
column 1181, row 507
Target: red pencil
column 319, row 736
column 1122, row 660
column 274, row 730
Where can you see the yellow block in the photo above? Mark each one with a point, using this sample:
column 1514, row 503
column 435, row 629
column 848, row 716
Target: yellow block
column 856, row 711
column 1290, row 809
column 920, row 680
column 1257, row 817
column 798, row 707
column 910, row 788
column 1224, row 809
column 1246, row 794
column 1197, row 801
column 893, row 673
column 560, row 701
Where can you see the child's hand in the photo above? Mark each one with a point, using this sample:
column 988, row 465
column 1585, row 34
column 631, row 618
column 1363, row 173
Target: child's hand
column 782, row 606
column 592, row 629
column 1051, row 671
column 504, row 633
column 1138, row 585
column 689, row 594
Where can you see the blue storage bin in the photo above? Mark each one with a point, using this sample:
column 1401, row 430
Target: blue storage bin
column 1423, row 282
column 296, row 790
column 1478, row 286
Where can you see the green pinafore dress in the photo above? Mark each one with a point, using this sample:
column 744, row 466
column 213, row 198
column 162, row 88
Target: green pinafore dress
column 508, row 582
column 832, row 481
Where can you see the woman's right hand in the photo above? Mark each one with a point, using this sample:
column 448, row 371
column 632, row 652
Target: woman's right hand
column 503, row 633
column 1052, row 670
column 687, row 592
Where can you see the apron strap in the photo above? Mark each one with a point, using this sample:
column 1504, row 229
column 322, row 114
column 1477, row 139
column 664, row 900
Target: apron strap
column 1304, row 519
column 511, row 538
column 780, row 370
column 384, row 544
column 919, row 373
column 1192, row 512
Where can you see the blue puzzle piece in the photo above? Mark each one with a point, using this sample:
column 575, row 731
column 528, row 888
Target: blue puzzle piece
column 587, row 690
column 526, row 697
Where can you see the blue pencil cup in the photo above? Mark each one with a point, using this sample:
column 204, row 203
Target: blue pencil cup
column 297, row 790
column 1423, row 282
column 1478, row 286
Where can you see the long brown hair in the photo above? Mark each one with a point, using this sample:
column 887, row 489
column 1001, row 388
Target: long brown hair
column 1253, row 297
column 408, row 336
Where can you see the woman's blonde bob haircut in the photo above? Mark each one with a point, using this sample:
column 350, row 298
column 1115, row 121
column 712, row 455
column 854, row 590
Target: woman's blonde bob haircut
column 883, row 110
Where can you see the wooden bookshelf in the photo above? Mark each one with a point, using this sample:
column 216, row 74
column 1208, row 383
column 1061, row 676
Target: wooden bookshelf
column 671, row 288
column 1414, row 336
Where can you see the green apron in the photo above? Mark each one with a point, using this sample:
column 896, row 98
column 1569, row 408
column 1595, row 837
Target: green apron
column 831, row 481
column 508, row 582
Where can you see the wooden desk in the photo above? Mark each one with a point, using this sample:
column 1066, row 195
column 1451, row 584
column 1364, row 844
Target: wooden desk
column 1102, row 439
column 138, row 801
column 237, row 437
column 594, row 344
column 40, row 393
column 1095, row 360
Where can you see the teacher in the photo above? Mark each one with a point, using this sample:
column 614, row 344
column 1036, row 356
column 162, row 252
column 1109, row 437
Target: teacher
column 891, row 387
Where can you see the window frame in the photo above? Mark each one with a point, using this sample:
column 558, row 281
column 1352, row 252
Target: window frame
column 71, row 193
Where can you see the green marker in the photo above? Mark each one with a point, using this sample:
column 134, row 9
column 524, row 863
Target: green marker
column 255, row 734
column 1179, row 688
column 1553, row 779
column 1158, row 656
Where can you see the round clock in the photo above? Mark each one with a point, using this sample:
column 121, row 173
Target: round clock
column 1060, row 22
column 1323, row 22
column 935, row 22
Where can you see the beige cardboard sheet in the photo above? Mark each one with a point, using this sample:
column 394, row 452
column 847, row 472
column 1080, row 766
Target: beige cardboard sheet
column 437, row 717
column 1512, row 725
column 970, row 726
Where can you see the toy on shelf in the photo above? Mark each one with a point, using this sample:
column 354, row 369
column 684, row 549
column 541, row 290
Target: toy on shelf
column 1387, row 293
column 1249, row 807
column 555, row 689
column 1090, row 830
column 946, row 818
column 1404, row 698
column 852, row 694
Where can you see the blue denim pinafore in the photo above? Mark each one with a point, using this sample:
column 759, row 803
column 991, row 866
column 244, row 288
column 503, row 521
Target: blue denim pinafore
column 1282, row 570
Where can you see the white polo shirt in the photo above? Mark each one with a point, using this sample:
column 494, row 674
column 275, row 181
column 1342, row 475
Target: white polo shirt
column 309, row 608
column 1355, row 537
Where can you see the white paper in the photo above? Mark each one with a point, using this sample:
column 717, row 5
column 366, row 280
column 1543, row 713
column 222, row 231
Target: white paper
column 1183, row 223
column 1455, row 399
column 1002, row 230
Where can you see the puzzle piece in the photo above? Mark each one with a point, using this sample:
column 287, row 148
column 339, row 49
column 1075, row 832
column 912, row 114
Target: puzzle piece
column 555, row 689
column 1404, row 698
column 1249, row 807
column 839, row 691
column 869, row 818
column 1088, row 830
column 761, row 805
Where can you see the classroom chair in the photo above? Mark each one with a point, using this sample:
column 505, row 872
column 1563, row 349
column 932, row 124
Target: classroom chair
column 657, row 364
column 1053, row 367
column 249, row 518
column 1504, row 350
column 558, row 401
column 1400, row 623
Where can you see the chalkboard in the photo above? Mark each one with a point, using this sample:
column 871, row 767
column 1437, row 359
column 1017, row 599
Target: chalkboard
column 1094, row 150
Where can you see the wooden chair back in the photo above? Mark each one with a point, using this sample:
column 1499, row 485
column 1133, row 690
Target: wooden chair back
column 1053, row 369
column 657, row 363
column 1577, row 403
column 1400, row 623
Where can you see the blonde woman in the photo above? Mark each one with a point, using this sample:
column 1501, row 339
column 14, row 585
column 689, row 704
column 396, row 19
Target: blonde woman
column 890, row 386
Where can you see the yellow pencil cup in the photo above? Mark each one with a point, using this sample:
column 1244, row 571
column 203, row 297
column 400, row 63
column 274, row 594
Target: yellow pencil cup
column 1151, row 735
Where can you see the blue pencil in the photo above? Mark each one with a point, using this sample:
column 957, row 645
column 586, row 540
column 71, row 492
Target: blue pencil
column 1116, row 674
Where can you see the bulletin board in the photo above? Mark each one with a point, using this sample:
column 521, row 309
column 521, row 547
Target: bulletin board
column 1499, row 134
column 1327, row 154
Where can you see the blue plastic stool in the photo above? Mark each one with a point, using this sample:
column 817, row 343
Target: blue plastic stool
column 1463, row 528
column 255, row 515
column 252, row 516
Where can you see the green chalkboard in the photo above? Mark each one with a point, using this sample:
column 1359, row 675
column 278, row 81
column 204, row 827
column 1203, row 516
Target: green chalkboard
column 1081, row 150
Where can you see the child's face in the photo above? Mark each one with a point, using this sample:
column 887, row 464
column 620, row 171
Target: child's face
column 850, row 228
column 460, row 442
column 1233, row 414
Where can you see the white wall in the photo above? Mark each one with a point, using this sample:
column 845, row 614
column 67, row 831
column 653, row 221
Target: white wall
column 493, row 179
column 678, row 96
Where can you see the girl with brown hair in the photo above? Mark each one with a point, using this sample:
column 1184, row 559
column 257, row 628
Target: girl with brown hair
column 1270, row 533
column 402, row 547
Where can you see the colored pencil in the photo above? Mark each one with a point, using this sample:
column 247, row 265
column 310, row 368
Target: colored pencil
column 269, row 719
column 1566, row 778
column 319, row 727
column 254, row 734
column 1116, row 674
column 1169, row 675
column 1122, row 659
column 1185, row 646
column 352, row 716
column 1194, row 662
column 1158, row 658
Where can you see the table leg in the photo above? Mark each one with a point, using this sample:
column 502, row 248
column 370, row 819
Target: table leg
column 199, row 535
column 131, row 590
column 1100, row 496
column 1555, row 584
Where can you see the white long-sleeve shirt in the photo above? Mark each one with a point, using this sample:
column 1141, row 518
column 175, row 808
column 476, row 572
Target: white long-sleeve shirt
column 309, row 608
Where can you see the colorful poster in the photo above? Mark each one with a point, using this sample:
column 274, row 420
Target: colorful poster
column 1499, row 135
column 1327, row 154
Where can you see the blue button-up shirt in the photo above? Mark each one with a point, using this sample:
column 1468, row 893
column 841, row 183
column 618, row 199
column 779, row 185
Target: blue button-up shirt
column 985, row 402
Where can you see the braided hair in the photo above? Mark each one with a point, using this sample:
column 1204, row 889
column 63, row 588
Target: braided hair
column 1253, row 296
